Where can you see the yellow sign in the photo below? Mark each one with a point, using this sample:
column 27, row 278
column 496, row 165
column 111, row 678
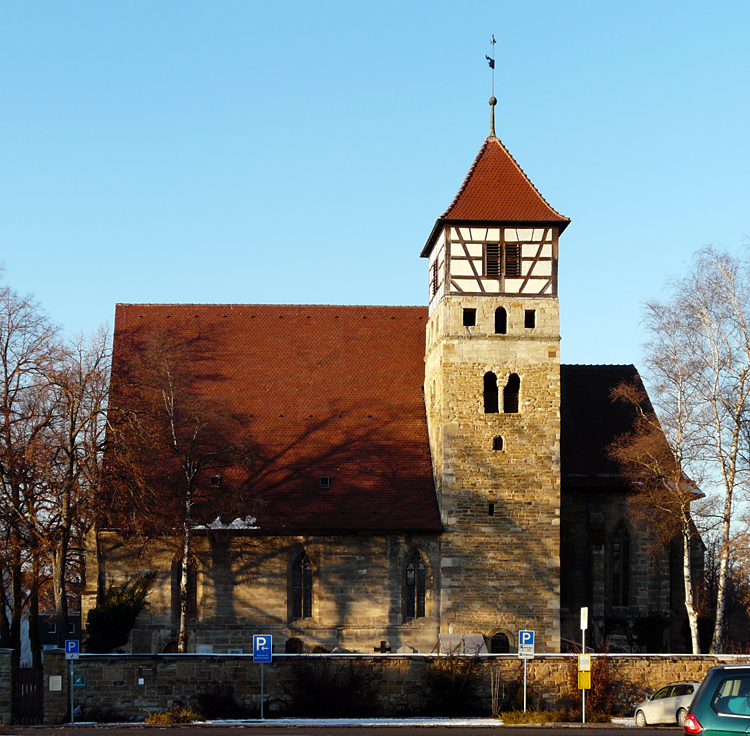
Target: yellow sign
column 584, row 680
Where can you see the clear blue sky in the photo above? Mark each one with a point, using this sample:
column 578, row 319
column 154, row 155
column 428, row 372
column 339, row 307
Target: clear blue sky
column 300, row 152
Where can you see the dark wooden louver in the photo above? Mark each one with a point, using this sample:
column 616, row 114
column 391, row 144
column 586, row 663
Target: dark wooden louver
column 492, row 265
column 512, row 260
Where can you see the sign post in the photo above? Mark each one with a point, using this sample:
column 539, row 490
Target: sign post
column 72, row 649
column 525, row 652
column 584, row 626
column 262, row 652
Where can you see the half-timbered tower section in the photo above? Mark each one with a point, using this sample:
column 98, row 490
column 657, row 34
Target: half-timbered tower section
column 492, row 392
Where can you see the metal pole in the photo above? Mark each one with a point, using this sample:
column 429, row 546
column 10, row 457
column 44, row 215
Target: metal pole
column 583, row 690
column 262, row 698
column 525, row 662
column 72, row 712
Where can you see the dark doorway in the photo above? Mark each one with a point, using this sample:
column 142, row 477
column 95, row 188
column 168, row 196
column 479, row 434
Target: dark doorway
column 27, row 697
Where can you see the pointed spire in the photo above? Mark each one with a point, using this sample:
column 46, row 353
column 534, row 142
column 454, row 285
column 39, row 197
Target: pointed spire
column 493, row 99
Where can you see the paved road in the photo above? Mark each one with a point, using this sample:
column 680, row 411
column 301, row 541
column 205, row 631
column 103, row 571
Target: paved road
column 302, row 729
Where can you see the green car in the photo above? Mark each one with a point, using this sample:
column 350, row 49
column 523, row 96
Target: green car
column 722, row 704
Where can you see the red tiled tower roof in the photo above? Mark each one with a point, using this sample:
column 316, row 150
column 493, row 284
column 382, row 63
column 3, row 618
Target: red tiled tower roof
column 496, row 190
column 324, row 391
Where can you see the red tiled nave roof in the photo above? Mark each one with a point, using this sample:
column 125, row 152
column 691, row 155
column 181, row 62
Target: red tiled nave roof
column 325, row 391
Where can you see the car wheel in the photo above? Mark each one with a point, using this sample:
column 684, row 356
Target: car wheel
column 681, row 713
column 640, row 719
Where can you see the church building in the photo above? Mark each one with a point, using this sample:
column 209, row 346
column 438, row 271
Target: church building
column 422, row 471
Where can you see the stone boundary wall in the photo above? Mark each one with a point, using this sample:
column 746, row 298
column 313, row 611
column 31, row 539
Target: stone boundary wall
column 136, row 685
column 6, row 689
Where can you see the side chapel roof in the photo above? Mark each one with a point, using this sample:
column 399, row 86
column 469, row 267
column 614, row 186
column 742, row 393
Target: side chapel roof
column 591, row 421
column 497, row 190
column 324, row 391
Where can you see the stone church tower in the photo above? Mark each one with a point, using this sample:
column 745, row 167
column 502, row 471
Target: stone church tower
column 492, row 390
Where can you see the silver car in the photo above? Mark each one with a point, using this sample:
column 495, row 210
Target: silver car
column 670, row 704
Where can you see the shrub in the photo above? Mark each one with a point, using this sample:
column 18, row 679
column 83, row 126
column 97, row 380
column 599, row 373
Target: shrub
column 560, row 715
column 603, row 699
column 452, row 686
column 109, row 623
column 176, row 714
column 324, row 689
column 219, row 702
column 504, row 694
column 106, row 715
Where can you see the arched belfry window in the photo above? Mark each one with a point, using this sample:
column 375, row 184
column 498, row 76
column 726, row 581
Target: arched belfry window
column 416, row 586
column 302, row 587
column 510, row 394
column 491, row 397
column 621, row 566
column 501, row 321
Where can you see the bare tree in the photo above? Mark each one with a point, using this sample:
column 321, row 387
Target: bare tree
column 698, row 359
column 53, row 401
column 653, row 461
column 166, row 443
column 79, row 384
column 27, row 346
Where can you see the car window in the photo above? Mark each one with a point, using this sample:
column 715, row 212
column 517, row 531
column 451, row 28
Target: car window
column 663, row 693
column 732, row 697
column 682, row 690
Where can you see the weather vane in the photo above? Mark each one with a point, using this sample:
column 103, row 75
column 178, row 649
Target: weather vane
column 493, row 99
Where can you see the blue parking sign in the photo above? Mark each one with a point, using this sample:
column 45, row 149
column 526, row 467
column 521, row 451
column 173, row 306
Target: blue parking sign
column 72, row 648
column 262, row 648
column 526, row 644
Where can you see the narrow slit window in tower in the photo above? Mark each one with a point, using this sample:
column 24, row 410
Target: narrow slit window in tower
column 501, row 321
column 498, row 443
column 470, row 317
column 529, row 319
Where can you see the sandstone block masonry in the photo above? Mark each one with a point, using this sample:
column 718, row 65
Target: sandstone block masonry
column 242, row 587
column 136, row 685
column 497, row 472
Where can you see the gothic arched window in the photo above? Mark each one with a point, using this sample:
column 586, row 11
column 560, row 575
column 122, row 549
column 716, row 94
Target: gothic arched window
column 510, row 394
column 416, row 586
column 501, row 321
column 621, row 567
column 302, row 587
column 491, row 397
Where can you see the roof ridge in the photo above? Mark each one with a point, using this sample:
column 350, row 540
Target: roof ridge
column 264, row 304
column 597, row 365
